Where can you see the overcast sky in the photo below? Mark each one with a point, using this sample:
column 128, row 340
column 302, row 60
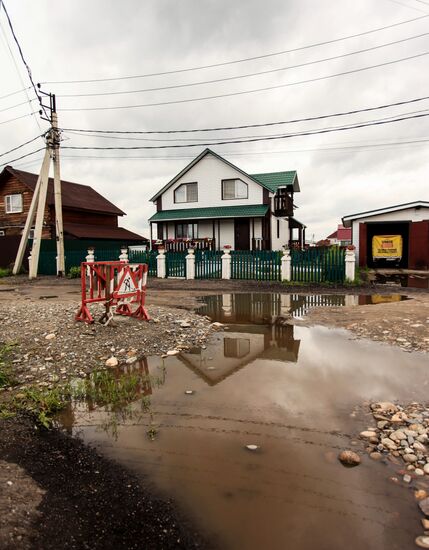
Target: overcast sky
column 103, row 39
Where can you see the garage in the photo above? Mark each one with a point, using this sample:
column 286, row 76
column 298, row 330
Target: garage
column 392, row 237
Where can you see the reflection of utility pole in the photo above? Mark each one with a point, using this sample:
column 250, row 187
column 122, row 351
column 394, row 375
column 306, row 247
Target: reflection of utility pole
column 38, row 201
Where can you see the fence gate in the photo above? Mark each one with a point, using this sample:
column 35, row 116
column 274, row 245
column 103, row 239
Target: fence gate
column 318, row 265
column 148, row 257
column 176, row 264
column 261, row 265
column 208, row 264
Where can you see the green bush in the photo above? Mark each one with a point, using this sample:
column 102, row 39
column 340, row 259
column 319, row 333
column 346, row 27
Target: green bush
column 5, row 272
column 74, row 272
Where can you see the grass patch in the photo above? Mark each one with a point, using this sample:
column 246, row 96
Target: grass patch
column 74, row 272
column 6, row 376
column 5, row 272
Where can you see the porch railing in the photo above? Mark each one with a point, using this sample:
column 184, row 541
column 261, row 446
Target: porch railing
column 182, row 245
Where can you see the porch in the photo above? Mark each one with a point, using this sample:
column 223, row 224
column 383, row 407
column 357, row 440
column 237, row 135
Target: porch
column 236, row 227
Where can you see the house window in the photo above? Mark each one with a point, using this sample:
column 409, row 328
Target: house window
column 13, row 203
column 186, row 230
column 187, row 192
column 234, row 189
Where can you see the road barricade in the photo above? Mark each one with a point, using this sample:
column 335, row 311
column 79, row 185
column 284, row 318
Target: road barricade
column 118, row 285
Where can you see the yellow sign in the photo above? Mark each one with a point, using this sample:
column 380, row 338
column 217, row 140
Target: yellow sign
column 385, row 298
column 387, row 246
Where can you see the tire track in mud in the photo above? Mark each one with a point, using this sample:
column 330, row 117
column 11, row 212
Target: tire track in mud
column 281, row 471
column 271, row 496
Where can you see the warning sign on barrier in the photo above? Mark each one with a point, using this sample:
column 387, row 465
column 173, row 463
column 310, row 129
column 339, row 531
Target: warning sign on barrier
column 118, row 285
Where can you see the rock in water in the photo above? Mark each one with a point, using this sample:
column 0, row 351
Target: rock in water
column 349, row 458
column 424, row 506
column 368, row 434
column 112, row 362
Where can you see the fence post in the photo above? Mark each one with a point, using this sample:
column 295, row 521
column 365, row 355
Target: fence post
column 350, row 260
column 160, row 264
column 123, row 257
column 226, row 264
column 286, row 265
column 89, row 258
column 190, row 264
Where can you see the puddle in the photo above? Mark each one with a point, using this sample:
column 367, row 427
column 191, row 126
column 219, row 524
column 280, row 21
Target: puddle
column 289, row 391
column 262, row 307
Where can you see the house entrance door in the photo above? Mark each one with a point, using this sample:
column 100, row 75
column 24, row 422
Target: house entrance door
column 242, row 234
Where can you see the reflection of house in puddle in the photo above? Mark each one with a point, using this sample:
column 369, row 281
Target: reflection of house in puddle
column 257, row 329
column 257, row 307
column 97, row 387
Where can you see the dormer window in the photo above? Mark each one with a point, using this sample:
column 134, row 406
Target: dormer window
column 234, row 189
column 187, row 192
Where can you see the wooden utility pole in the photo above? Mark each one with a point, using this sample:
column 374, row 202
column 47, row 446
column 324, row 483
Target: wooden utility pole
column 52, row 152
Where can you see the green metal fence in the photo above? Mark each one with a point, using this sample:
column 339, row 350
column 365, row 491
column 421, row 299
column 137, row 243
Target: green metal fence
column 176, row 264
column 208, row 264
column 148, row 257
column 260, row 265
column 75, row 252
column 318, row 265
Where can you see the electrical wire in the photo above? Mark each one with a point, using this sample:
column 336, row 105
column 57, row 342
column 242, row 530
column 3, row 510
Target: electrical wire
column 16, row 92
column 12, row 30
column 248, row 75
column 270, row 138
column 16, row 105
column 17, row 118
column 224, row 63
column 19, row 146
column 23, row 156
column 259, row 125
column 244, row 92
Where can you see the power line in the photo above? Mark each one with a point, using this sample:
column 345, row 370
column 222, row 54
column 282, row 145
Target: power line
column 260, row 125
column 17, row 118
column 16, row 92
column 12, row 30
column 248, row 75
column 23, row 156
column 16, row 105
column 269, row 138
column 19, row 146
column 226, row 139
column 244, row 92
column 224, row 63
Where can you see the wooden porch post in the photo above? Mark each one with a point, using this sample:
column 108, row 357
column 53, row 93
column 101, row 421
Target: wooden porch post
column 151, row 235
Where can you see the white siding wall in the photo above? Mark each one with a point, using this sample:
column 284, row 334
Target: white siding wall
column 407, row 215
column 209, row 173
column 278, row 243
column 258, row 228
column 226, row 233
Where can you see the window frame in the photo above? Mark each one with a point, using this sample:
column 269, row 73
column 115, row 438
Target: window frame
column 185, row 185
column 235, row 198
column 194, row 229
column 7, row 211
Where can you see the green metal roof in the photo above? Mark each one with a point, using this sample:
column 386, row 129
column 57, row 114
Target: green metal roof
column 243, row 211
column 274, row 180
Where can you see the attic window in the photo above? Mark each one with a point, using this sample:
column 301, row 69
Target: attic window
column 187, row 192
column 234, row 189
column 13, row 203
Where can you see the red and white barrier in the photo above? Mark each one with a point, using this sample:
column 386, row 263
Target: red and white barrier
column 118, row 285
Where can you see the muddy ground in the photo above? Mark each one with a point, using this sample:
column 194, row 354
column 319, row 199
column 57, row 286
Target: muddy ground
column 73, row 497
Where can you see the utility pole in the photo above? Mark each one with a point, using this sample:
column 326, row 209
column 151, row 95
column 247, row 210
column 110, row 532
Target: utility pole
column 52, row 152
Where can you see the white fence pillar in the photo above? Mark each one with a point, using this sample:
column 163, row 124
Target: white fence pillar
column 123, row 257
column 89, row 258
column 226, row 264
column 161, row 264
column 286, row 266
column 190, row 264
column 350, row 265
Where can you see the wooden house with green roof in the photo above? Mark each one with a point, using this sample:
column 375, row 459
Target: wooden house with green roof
column 214, row 204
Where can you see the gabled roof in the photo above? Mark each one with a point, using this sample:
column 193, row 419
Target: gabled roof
column 274, row 180
column 243, row 211
column 74, row 195
column 347, row 220
column 209, row 151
